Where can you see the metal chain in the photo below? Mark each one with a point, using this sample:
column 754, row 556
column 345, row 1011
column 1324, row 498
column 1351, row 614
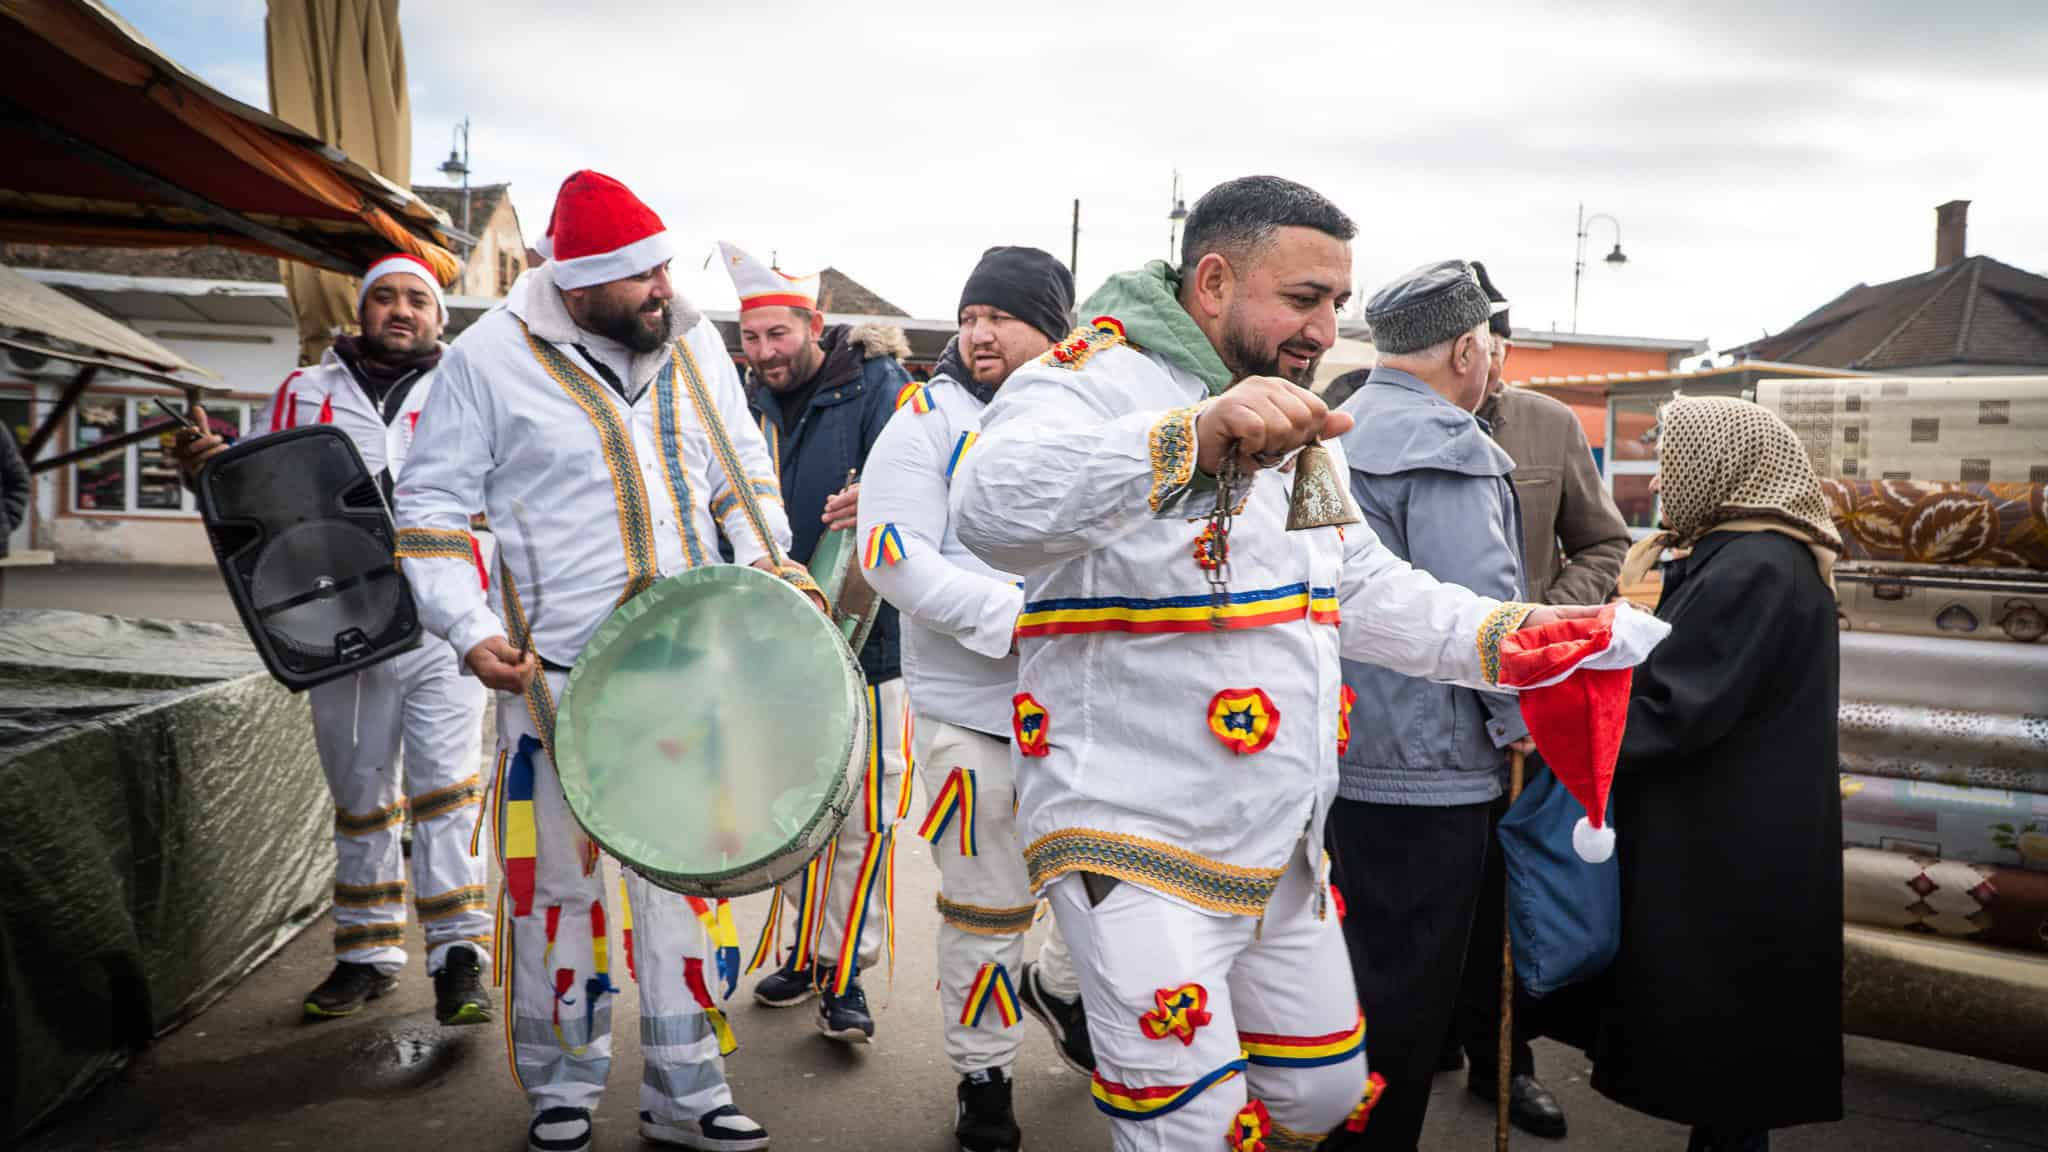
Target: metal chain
column 1219, row 538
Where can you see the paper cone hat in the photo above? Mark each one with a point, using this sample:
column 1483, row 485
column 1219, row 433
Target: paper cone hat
column 760, row 286
column 1573, row 678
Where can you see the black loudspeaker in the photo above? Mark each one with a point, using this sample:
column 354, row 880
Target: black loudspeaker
column 299, row 526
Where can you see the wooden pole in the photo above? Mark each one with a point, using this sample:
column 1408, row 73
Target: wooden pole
column 1074, row 249
column 1504, row 1058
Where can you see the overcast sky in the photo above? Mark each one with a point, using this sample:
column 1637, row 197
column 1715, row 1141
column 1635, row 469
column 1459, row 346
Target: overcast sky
column 1761, row 156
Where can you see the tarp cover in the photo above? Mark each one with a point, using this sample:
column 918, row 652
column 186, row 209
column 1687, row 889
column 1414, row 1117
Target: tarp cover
column 163, row 828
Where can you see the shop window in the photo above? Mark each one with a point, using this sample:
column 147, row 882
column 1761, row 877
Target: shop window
column 141, row 478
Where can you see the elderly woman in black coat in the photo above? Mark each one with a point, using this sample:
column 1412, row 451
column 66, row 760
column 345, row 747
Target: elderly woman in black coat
column 1725, row 1001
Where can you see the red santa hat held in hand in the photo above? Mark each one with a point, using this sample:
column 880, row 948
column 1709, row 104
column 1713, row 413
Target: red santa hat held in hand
column 1573, row 677
column 599, row 232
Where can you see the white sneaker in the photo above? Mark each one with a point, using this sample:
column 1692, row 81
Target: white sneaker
column 559, row 1130
column 724, row 1129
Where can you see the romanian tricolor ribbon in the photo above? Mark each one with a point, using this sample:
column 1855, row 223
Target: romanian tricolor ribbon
column 770, row 943
column 693, row 976
column 871, row 799
column 1275, row 1051
column 810, row 908
column 716, row 916
column 956, row 800
column 913, row 394
column 1250, row 1127
column 885, row 547
column 1031, row 724
column 1345, row 700
column 1375, row 1086
column 1108, row 324
column 991, row 986
column 960, row 448
column 909, row 727
column 872, row 860
column 626, row 928
column 1244, row 719
column 1178, row 1013
column 521, row 841
column 1127, row 1103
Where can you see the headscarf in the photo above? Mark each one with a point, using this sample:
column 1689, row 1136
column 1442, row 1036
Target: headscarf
column 1728, row 465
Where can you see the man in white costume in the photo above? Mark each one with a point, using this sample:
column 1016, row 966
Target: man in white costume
column 959, row 616
column 1179, row 705
column 597, row 419
column 401, row 734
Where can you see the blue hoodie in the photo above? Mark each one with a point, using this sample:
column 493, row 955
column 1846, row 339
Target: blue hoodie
column 1435, row 487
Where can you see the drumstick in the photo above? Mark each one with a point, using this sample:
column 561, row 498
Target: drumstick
column 533, row 588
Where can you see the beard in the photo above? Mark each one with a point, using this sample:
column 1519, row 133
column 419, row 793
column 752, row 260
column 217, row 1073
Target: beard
column 1245, row 356
column 628, row 325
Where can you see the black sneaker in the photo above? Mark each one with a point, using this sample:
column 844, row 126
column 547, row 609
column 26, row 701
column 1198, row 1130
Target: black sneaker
column 844, row 1017
column 787, row 986
column 724, row 1129
column 346, row 990
column 559, row 1130
column 1068, row 1022
column 459, row 996
column 984, row 1120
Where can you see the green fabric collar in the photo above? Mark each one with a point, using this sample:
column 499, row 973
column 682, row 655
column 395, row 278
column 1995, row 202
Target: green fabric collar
column 1147, row 303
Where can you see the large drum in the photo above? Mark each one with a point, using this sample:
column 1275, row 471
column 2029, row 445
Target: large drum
column 714, row 732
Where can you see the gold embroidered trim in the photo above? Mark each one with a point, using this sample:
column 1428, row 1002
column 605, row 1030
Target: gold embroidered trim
column 434, row 544
column 451, row 903
column 362, row 824
column 1494, row 629
column 636, row 531
column 1203, row 882
column 987, row 921
column 540, row 702
column 1285, row 1139
column 667, row 426
column 369, row 895
column 722, row 450
column 349, row 937
column 1173, row 453
column 1079, row 345
column 442, row 801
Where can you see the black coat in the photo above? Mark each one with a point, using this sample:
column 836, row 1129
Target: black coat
column 856, row 389
column 1725, row 1002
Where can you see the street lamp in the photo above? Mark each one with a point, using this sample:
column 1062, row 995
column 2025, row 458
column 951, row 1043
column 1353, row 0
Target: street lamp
column 1174, row 218
column 1579, row 265
column 457, row 165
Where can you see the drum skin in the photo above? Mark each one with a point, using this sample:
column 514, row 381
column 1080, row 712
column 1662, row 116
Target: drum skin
column 714, row 732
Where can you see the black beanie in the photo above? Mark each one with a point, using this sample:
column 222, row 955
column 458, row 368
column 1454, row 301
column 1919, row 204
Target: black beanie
column 1028, row 284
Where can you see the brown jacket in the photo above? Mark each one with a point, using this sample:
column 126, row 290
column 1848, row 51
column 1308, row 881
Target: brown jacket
column 1573, row 538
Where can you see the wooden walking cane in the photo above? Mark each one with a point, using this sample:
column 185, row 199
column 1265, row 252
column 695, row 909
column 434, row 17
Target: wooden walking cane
column 1504, row 1059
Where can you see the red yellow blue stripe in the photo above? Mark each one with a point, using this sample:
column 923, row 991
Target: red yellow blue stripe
column 991, row 986
column 915, row 396
column 960, row 448
column 956, row 799
column 909, row 727
column 770, row 941
column 693, row 978
column 626, row 928
column 885, row 546
column 1127, row 1103
column 871, row 859
column 522, row 841
column 871, row 800
column 1194, row 613
column 1276, row 1051
column 716, row 916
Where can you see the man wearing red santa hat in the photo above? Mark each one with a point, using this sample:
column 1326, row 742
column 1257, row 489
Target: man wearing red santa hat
column 553, row 416
column 373, row 386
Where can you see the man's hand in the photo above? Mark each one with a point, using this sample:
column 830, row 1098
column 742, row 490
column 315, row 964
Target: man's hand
column 817, row 597
column 1552, row 613
column 843, row 509
column 1526, row 746
column 191, row 447
column 1266, row 417
column 500, row 666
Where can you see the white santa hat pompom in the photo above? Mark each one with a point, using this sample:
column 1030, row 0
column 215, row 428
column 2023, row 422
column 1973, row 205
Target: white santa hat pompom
column 1594, row 845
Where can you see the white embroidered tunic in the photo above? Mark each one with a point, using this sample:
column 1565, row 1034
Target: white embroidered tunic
column 1155, row 747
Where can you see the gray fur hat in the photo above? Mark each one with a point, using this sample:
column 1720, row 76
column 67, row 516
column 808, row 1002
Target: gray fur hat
column 1429, row 305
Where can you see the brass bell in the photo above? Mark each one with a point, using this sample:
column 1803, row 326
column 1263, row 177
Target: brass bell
column 1321, row 498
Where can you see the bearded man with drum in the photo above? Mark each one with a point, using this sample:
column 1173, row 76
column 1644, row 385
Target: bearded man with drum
column 399, row 736
column 1179, row 703
column 598, row 421
column 959, row 617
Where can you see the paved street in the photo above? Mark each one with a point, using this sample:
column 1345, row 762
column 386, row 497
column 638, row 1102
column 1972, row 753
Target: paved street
column 250, row 1074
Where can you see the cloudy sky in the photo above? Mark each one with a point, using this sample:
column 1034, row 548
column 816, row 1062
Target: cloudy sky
column 1760, row 156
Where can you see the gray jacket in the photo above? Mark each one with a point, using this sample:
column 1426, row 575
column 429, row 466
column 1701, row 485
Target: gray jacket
column 1435, row 488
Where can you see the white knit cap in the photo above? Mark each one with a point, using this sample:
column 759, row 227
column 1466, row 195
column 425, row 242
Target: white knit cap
column 410, row 265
